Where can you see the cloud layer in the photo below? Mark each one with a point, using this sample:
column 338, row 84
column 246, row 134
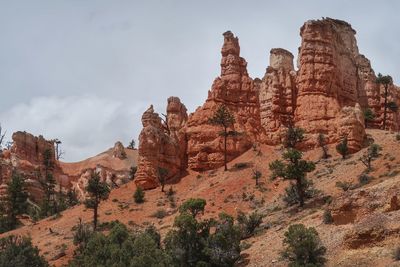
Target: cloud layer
column 84, row 71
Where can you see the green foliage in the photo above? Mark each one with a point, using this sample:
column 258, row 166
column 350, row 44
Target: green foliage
column 14, row 204
column 241, row 165
column 82, row 235
column 342, row 148
column 302, row 247
column 385, row 80
column 225, row 119
column 121, row 248
column 132, row 144
column 369, row 115
column 371, row 153
column 322, row 144
column 223, row 247
column 48, row 206
column 345, row 186
column 72, row 198
column 97, row 191
column 19, row 252
column 364, row 179
column 398, row 137
column 191, row 242
column 293, row 137
column 392, row 106
column 248, row 224
column 292, row 197
column 327, row 217
column 193, row 205
column 138, row 196
column 295, row 169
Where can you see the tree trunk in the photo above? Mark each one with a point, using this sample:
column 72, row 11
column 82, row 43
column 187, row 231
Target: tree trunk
column 95, row 216
column 225, row 160
column 162, row 187
column 385, row 107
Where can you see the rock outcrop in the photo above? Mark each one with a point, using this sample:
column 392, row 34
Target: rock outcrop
column 277, row 96
column 236, row 90
column 328, row 94
column 119, row 151
column 162, row 144
column 26, row 156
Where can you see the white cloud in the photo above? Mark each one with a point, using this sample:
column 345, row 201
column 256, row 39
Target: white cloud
column 87, row 125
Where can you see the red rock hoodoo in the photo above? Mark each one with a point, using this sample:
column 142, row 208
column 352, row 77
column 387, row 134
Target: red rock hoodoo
column 236, row 90
column 328, row 94
column 162, row 144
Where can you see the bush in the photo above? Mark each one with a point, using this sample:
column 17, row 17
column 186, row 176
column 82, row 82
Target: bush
column 398, row 137
column 19, row 252
column 291, row 194
column 364, row 179
column 159, row 214
column 193, row 205
column 345, row 186
column 248, row 224
column 327, row 217
column 302, row 247
column 342, row 148
column 241, row 165
column 139, row 195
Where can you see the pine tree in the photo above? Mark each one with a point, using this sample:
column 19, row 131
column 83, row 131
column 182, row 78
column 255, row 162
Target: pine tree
column 225, row 119
column 98, row 191
column 342, row 148
column 385, row 81
column 162, row 177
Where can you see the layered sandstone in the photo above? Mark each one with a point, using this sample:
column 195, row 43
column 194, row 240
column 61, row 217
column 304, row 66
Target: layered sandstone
column 277, row 96
column 236, row 90
column 162, row 144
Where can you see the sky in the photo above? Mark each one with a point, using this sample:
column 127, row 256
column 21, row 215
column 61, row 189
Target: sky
column 84, row 71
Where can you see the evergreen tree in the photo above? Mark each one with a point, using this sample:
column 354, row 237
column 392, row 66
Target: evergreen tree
column 385, row 81
column 225, row 119
column 342, row 148
column 139, row 195
column 15, row 202
column 368, row 116
column 293, row 136
column 98, row 191
column 302, row 247
column 371, row 153
column 295, row 169
column 19, row 252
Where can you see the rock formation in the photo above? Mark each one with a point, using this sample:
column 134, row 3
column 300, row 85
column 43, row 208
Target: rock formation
column 27, row 157
column 277, row 95
column 162, row 144
column 236, row 90
column 119, row 151
column 328, row 94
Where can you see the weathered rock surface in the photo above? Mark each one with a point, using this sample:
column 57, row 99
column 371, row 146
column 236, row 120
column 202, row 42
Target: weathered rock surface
column 236, row 90
column 162, row 144
column 119, row 151
column 26, row 156
column 277, row 95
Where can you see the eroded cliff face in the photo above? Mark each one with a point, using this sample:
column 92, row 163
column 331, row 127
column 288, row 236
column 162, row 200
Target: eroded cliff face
column 236, row 90
column 162, row 144
column 328, row 94
column 26, row 156
column 277, row 96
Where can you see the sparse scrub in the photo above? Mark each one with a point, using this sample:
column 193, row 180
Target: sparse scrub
column 327, row 217
column 345, row 186
column 342, row 148
column 248, row 224
column 371, row 154
column 302, row 247
column 241, row 165
column 159, row 214
column 139, row 195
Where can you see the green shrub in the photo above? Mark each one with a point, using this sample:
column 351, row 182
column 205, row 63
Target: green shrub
column 139, row 195
column 241, row 165
column 193, row 205
column 398, row 137
column 248, row 224
column 364, row 179
column 291, row 196
column 18, row 251
column 345, row 186
column 159, row 214
column 327, row 217
column 302, row 247
column 342, row 148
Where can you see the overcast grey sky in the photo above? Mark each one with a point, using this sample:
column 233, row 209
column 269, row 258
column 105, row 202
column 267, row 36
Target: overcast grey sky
column 84, row 71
